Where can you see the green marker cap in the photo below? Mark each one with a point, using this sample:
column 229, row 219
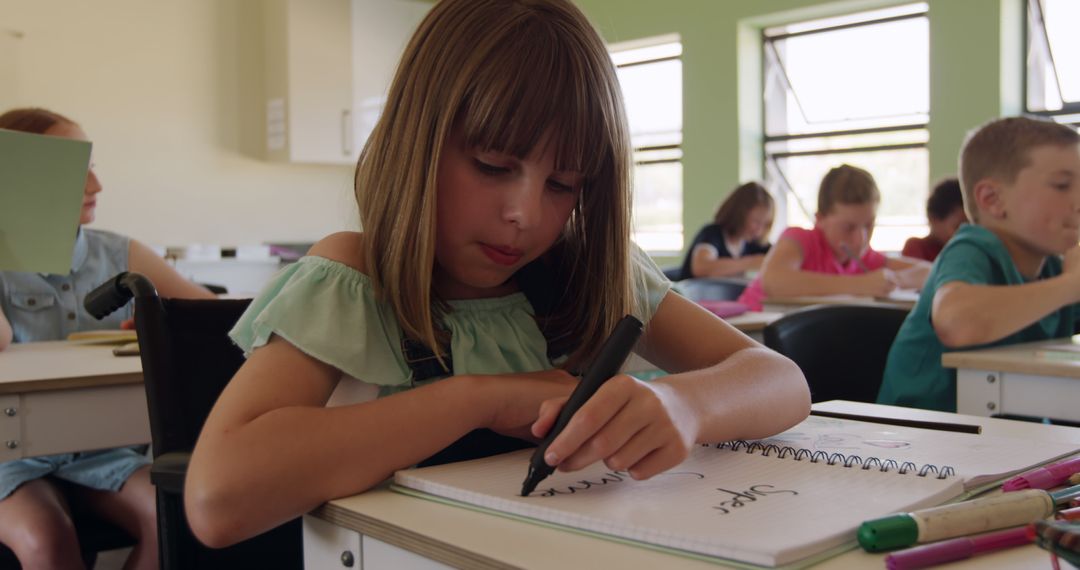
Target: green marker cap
column 888, row 533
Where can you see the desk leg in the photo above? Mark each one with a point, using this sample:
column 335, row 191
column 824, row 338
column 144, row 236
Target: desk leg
column 978, row 392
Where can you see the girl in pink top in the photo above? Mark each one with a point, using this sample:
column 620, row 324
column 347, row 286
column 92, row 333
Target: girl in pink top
column 835, row 256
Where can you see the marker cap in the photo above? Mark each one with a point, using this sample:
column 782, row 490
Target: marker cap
column 888, row 533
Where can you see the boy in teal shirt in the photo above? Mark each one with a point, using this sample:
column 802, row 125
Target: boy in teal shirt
column 1001, row 279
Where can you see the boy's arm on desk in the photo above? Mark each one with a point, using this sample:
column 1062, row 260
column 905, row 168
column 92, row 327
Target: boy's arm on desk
column 964, row 314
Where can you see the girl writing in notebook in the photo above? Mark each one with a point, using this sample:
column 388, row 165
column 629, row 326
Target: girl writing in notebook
column 35, row 493
column 834, row 257
column 736, row 241
column 494, row 194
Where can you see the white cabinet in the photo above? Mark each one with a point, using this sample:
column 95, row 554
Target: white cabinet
column 380, row 31
column 329, row 63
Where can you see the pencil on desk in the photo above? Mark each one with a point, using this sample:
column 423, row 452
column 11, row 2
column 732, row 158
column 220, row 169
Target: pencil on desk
column 924, row 424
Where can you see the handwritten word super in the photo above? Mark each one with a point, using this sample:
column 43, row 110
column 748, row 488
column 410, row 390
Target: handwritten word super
column 742, row 498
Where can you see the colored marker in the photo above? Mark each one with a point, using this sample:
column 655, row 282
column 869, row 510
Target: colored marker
column 1068, row 514
column 1074, row 479
column 1061, row 539
column 961, row 519
column 1045, row 477
column 607, row 364
column 957, row 549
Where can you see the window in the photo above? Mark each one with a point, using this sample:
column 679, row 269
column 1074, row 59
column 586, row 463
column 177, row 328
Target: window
column 650, row 75
column 1053, row 62
column 856, row 90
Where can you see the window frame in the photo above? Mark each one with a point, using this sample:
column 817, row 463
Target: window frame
column 639, row 150
column 784, row 193
column 1070, row 110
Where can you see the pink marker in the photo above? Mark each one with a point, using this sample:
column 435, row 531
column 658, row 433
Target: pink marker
column 957, row 549
column 1046, row 477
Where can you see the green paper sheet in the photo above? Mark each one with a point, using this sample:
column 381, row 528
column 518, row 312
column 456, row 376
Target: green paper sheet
column 42, row 179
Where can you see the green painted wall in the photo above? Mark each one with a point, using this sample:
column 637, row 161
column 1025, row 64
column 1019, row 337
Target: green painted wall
column 976, row 56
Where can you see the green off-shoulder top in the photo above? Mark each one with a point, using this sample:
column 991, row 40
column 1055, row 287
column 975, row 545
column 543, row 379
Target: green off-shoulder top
column 329, row 311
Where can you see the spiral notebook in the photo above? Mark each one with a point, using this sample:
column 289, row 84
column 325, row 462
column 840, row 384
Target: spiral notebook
column 789, row 500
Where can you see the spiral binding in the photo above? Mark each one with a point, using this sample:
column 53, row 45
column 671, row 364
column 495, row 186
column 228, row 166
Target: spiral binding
column 799, row 454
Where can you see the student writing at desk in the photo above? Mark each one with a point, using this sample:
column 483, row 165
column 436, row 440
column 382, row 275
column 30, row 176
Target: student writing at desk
column 509, row 113
column 835, row 256
column 945, row 213
column 1001, row 279
column 34, row 493
column 734, row 243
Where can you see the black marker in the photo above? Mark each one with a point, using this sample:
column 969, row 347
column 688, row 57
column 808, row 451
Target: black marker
column 607, row 364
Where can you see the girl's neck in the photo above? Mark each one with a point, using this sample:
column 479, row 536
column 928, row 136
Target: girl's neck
column 451, row 290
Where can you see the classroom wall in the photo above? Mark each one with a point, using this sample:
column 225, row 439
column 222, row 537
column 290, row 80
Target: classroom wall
column 975, row 75
column 168, row 91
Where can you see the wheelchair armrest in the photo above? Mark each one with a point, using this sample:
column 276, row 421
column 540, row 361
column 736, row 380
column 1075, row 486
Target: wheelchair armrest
column 168, row 471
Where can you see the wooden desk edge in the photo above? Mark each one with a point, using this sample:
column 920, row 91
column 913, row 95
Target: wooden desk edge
column 407, row 539
column 26, row 386
column 1007, row 362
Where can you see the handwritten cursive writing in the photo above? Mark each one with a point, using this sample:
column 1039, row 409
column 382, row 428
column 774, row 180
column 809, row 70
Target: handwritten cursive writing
column 738, row 499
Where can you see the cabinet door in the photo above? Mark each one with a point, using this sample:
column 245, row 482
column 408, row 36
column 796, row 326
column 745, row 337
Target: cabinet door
column 318, row 66
column 380, row 30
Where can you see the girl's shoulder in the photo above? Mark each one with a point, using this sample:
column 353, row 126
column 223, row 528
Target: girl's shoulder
column 346, row 248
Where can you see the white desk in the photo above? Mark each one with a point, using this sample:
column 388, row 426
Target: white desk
column 903, row 299
column 1015, row 380
column 389, row 530
column 60, row 397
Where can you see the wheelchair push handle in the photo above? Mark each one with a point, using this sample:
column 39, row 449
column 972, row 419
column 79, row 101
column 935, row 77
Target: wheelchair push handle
column 116, row 292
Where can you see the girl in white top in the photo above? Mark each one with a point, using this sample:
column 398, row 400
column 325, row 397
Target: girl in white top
column 503, row 146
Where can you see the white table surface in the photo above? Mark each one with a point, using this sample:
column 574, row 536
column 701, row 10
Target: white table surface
column 464, row 538
column 58, row 397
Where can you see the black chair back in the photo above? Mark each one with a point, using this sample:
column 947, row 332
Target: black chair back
column 188, row 359
column 840, row 348
column 707, row 289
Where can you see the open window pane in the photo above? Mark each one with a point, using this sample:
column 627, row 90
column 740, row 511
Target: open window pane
column 652, row 93
column 651, row 82
column 658, row 206
column 865, row 75
column 1053, row 55
column 853, row 89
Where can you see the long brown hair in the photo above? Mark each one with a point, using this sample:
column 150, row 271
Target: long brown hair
column 731, row 215
column 503, row 72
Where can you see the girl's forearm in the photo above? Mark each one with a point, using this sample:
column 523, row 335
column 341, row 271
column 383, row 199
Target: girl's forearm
column 754, row 393
column 290, row 460
column 783, row 282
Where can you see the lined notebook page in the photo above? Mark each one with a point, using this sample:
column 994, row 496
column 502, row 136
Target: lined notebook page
column 750, row 507
column 720, row 503
column 977, row 459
